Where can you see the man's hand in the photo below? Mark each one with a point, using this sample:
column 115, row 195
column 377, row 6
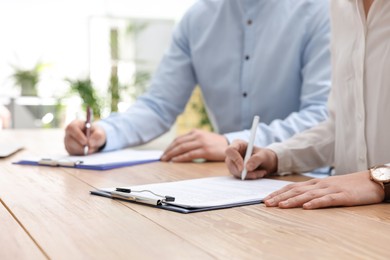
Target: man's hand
column 196, row 144
column 75, row 138
column 345, row 190
column 261, row 163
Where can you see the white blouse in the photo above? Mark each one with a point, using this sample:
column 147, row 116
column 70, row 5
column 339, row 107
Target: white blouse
column 357, row 134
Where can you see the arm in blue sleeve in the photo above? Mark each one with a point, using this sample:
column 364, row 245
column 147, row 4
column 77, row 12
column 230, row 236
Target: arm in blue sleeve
column 316, row 75
column 154, row 112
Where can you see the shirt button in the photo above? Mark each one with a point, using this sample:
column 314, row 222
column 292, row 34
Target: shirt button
column 247, row 57
column 244, row 94
column 249, row 22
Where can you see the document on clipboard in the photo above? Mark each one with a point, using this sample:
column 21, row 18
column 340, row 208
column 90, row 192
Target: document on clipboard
column 98, row 161
column 197, row 194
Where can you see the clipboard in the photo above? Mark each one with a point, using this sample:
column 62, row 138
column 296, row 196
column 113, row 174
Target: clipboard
column 197, row 195
column 98, row 161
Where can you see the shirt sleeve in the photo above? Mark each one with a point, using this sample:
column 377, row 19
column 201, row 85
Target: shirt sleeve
column 310, row 149
column 155, row 112
column 316, row 81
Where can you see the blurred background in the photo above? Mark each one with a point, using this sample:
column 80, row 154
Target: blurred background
column 58, row 56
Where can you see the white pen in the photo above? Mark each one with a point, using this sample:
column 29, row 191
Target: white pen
column 249, row 149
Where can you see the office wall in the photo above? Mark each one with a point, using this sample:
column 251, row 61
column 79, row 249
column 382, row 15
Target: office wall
column 56, row 33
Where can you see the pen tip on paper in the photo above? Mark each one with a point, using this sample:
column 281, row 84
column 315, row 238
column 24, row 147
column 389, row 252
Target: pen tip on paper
column 243, row 174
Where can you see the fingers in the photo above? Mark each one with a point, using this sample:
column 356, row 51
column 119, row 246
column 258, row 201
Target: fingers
column 344, row 190
column 75, row 138
column 289, row 187
column 234, row 158
column 261, row 163
column 239, row 146
column 329, row 200
column 182, row 151
column 253, row 175
column 347, row 190
column 75, row 131
column 309, row 195
column 97, row 139
column 72, row 146
column 263, row 159
column 194, row 145
column 172, row 150
column 255, row 165
column 189, row 156
column 302, row 198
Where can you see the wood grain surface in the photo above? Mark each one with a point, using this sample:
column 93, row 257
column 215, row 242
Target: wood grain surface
column 61, row 220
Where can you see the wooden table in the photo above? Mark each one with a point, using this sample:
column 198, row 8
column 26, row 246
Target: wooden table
column 48, row 212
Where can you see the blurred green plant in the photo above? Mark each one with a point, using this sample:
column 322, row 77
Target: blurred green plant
column 113, row 87
column 135, row 27
column 139, row 81
column 139, row 84
column 85, row 89
column 204, row 121
column 27, row 79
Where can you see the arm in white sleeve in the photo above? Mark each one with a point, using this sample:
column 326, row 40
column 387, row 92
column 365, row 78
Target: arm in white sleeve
column 310, row 149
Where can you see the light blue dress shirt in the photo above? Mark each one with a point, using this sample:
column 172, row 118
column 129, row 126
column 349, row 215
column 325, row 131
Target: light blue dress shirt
column 255, row 57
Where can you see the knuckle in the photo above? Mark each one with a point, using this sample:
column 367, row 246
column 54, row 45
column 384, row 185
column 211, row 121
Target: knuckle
column 207, row 149
column 331, row 198
column 69, row 128
column 290, row 186
column 293, row 200
column 180, row 147
column 311, row 193
column 261, row 173
column 229, row 152
column 297, row 191
column 190, row 155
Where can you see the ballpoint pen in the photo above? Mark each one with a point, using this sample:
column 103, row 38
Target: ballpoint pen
column 87, row 128
column 249, row 149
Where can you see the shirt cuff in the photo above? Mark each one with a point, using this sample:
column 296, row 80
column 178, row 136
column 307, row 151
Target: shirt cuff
column 284, row 157
column 245, row 135
column 231, row 137
column 111, row 142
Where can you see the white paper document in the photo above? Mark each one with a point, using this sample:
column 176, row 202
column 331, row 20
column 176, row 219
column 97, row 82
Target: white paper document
column 209, row 192
column 119, row 156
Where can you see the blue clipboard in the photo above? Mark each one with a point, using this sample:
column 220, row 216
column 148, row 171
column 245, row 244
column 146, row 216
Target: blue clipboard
column 98, row 161
column 98, row 167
